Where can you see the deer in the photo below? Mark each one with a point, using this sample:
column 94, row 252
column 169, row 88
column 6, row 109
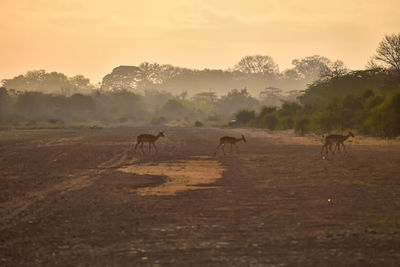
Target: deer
column 229, row 140
column 337, row 140
column 148, row 138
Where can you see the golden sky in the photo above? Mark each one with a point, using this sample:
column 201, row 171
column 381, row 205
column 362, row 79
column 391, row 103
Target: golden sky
column 91, row 37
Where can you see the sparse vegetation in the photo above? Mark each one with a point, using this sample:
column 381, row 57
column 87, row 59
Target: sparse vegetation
column 198, row 124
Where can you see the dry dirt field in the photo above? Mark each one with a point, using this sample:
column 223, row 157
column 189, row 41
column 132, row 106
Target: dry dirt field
column 82, row 197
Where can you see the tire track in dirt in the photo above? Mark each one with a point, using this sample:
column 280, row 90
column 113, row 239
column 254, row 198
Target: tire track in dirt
column 12, row 209
column 59, row 141
column 118, row 160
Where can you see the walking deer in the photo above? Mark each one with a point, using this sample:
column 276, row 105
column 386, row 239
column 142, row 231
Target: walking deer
column 148, row 138
column 335, row 139
column 229, row 140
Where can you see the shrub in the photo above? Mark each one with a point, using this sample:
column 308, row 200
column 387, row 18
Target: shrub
column 327, row 120
column 269, row 121
column 290, row 109
column 198, row 124
column 302, row 125
column 384, row 120
column 267, row 110
column 287, row 123
column 245, row 116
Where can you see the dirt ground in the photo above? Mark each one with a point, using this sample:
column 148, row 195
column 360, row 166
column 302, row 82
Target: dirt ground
column 82, row 197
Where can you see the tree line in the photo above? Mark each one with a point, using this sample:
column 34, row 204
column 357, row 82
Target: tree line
column 252, row 72
column 122, row 106
column 334, row 99
column 367, row 101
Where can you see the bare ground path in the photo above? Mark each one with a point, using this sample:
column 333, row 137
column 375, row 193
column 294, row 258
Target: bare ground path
column 70, row 198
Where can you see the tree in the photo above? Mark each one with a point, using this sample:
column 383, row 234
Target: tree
column 122, row 78
column 388, row 52
column 49, row 82
column 309, row 68
column 145, row 76
column 5, row 103
column 175, row 108
column 333, row 69
column 235, row 100
column 154, row 99
column 78, row 84
column 206, row 97
column 271, row 96
column 257, row 64
column 291, row 74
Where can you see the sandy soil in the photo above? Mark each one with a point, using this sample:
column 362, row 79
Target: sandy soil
column 82, row 197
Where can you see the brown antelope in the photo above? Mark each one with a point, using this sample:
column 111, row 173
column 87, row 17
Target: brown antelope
column 335, row 139
column 148, row 138
column 229, row 140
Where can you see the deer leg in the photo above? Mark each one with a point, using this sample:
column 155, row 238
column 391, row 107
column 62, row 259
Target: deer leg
column 237, row 148
column 330, row 148
column 141, row 147
column 149, row 147
column 344, row 148
column 216, row 150
column 324, row 147
column 155, row 148
column 136, row 146
column 223, row 148
column 337, row 146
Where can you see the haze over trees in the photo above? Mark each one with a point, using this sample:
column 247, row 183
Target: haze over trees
column 49, row 82
column 255, row 73
column 316, row 94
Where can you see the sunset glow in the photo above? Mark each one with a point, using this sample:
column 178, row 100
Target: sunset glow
column 92, row 37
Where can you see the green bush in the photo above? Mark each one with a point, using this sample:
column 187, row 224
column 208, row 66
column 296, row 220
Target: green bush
column 286, row 122
column 245, row 116
column 266, row 110
column 302, row 125
column 198, row 124
column 384, row 120
column 269, row 121
column 290, row 109
column 326, row 121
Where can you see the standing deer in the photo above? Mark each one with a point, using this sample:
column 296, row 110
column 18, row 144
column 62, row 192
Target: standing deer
column 230, row 140
column 335, row 139
column 148, row 138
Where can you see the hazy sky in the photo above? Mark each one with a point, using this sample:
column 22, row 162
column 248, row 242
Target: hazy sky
column 91, row 37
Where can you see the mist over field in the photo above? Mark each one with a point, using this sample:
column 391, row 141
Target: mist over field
column 138, row 93
column 315, row 95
